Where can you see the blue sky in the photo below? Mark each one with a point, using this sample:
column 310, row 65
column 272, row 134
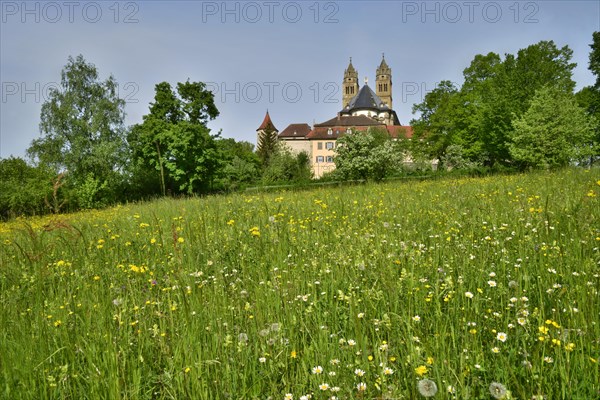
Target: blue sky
column 284, row 56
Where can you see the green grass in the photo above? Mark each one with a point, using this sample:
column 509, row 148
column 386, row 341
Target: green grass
column 241, row 296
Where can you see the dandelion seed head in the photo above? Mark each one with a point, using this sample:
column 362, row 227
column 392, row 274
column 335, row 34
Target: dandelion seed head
column 497, row 390
column 427, row 388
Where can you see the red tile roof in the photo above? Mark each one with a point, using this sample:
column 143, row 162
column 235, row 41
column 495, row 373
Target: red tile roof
column 350, row 121
column 295, row 131
column 267, row 124
column 400, row 131
column 322, row 132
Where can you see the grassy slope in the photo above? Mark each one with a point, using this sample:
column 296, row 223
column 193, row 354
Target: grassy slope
column 241, row 296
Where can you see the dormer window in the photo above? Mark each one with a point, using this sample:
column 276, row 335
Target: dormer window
column 330, row 131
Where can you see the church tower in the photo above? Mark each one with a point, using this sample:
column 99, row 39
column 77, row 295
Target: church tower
column 350, row 84
column 383, row 83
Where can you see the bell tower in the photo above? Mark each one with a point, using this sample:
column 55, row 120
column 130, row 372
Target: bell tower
column 350, row 84
column 383, row 82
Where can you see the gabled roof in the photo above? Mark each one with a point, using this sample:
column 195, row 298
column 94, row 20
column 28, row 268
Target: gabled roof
column 333, row 132
column 267, row 124
column 366, row 99
column 350, row 120
column 295, row 130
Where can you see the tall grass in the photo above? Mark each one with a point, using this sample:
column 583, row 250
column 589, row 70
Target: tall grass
column 462, row 282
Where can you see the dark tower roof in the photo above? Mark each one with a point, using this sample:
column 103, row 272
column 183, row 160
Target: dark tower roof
column 366, row 99
column 267, row 124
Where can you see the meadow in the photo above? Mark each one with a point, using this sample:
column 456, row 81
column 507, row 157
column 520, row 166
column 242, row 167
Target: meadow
column 470, row 288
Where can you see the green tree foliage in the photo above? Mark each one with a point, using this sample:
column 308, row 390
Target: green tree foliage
column 24, row 190
column 589, row 96
column 175, row 141
column 241, row 164
column 553, row 132
column 82, row 131
column 266, row 146
column 287, row 167
column 367, row 155
column 479, row 116
column 433, row 132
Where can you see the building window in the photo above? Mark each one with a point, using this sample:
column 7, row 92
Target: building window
column 330, row 131
column 329, row 145
column 320, row 145
column 329, row 159
column 319, row 159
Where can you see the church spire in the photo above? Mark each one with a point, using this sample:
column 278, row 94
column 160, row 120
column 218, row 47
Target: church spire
column 267, row 124
column 350, row 84
column 383, row 82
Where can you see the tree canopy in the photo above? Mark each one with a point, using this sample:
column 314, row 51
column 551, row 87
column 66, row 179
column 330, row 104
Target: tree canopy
column 82, row 130
column 174, row 139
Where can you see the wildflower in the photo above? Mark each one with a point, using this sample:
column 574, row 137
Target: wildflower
column 501, row 336
column 469, row 295
column 323, row 386
column 187, row 370
column 421, row 370
column 351, row 342
column 451, row 389
column 497, row 390
column 388, row 371
column 495, row 350
column 262, row 360
column 317, row 370
column 427, row 388
column 492, row 283
column 242, row 337
column 288, row 396
column 359, row 372
column 548, row 360
column 430, row 360
column 293, row 354
column 416, row 318
column 361, row 387
column 570, row 346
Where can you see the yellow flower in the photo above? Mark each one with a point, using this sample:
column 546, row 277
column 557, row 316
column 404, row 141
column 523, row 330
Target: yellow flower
column 570, row 346
column 293, row 354
column 180, row 240
column 430, row 360
column 421, row 370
